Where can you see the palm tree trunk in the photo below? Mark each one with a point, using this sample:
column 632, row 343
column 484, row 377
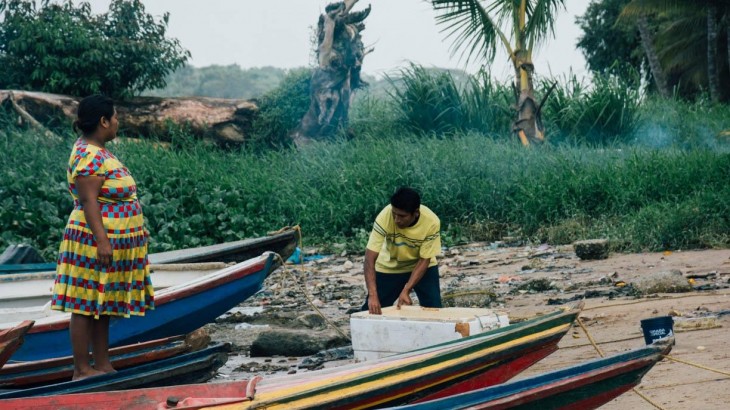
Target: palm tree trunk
column 728, row 46
column 528, row 126
column 647, row 41
column 712, row 75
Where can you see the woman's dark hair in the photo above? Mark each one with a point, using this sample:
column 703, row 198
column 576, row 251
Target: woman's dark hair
column 406, row 199
column 90, row 111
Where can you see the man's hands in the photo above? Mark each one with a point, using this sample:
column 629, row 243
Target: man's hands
column 374, row 305
column 404, row 299
column 370, row 282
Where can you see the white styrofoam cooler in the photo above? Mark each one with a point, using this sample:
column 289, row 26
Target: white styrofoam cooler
column 415, row 327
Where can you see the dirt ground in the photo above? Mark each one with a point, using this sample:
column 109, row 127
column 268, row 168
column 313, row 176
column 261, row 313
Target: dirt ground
column 526, row 281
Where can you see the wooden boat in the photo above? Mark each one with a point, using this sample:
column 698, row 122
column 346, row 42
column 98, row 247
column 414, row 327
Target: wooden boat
column 195, row 367
column 11, row 339
column 178, row 309
column 27, row 267
column 29, row 286
column 29, row 294
column 585, row 386
column 284, row 243
column 49, row 371
column 449, row 368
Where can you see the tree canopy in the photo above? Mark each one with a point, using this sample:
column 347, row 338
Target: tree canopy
column 609, row 46
column 64, row 48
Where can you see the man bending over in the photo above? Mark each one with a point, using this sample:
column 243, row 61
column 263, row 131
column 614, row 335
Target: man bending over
column 401, row 254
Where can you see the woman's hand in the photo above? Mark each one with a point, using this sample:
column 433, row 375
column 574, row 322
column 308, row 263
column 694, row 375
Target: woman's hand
column 104, row 253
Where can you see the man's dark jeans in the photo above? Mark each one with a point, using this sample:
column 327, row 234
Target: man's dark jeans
column 390, row 286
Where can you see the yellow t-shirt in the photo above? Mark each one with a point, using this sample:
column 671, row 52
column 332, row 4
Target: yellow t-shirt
column 399, row 249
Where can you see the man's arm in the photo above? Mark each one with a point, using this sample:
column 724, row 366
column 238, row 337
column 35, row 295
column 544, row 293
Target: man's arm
column 416, row 276
column 373, row 300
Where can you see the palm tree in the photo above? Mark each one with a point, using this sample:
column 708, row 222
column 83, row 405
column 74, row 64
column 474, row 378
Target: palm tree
column 647, row 43
column 694, row 27
column 477, row 27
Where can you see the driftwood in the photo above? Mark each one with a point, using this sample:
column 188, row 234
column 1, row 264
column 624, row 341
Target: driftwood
column 340, row 54
column 224, row 121
column 25, row 116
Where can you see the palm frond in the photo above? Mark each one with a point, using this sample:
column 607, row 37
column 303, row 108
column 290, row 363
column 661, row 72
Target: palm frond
column 541, row 16
column 637, row 8
column 470, row 27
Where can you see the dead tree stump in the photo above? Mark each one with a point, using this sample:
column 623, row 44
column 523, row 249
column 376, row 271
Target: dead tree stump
column 340, row 54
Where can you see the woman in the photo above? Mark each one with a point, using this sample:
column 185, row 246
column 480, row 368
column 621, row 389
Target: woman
column 102, row 263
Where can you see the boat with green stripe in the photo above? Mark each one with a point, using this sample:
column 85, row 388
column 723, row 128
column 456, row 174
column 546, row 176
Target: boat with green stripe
column 454, row 367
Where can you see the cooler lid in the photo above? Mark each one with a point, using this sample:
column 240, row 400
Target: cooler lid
column 419, row 313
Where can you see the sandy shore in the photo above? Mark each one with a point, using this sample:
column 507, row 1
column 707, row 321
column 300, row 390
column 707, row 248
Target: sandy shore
column 523, row 281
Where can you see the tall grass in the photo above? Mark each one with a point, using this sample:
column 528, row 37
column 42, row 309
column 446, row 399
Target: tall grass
column 422, row 101
column 604, row 112
column 428, row 102
column 431, row 102
column 641, row 199
column 676, row 123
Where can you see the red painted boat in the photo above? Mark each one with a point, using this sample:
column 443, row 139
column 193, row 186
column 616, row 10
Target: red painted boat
column 12, row 338
column 43, row 372
column 193, row 367
column 448, row 368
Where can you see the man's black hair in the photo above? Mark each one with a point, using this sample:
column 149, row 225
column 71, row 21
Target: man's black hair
column 407, row 199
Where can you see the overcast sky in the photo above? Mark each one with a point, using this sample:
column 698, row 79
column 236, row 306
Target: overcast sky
column 256, row 33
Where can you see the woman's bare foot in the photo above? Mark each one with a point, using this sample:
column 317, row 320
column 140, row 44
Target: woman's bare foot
column 80, row 375
column 105, row 369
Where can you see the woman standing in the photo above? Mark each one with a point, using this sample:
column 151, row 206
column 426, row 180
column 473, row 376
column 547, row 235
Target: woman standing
column 102, row 263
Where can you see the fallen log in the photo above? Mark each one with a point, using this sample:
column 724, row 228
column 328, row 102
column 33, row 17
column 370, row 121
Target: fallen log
column 225, row 121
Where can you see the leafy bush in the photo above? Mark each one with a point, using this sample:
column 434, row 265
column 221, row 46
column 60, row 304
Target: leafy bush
column 432, row 101
column 63, row 48
column 281, row 109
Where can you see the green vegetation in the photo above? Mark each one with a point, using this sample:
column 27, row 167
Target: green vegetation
column 483, row 189
column 477, row 28
column 645, row 172
column 623, row 53
column 429, row 101
column 63, row 48
column 232, row 81
column 603, row 112
column 281, row 109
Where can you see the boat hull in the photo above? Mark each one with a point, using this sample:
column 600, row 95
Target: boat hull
column 397, row 379
column 584, row 386
column 43, row 372
column 30, row 286
column 284, row 243
column 195, row 367
column 178, row 309
column 12, row 338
